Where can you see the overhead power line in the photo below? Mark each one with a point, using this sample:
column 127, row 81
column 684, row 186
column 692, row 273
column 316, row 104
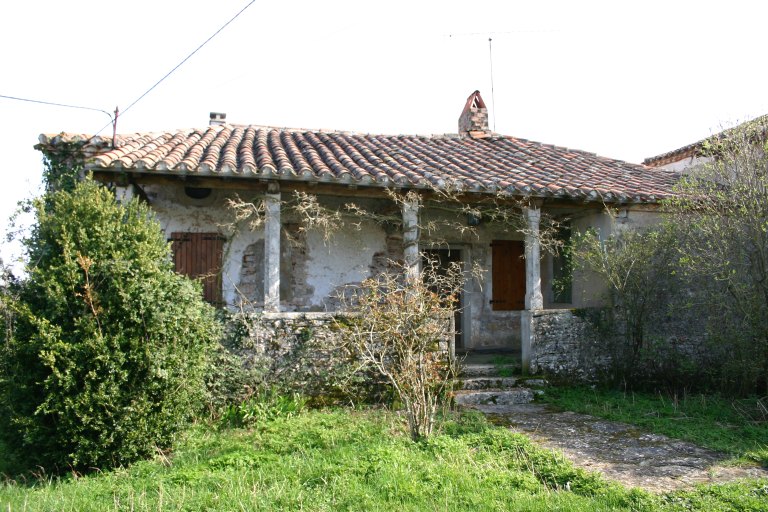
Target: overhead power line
column 177, row 66
column 41, row 102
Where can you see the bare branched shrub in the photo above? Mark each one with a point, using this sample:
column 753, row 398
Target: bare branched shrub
column 401, row 327
column 313, row 216
column 250, row 212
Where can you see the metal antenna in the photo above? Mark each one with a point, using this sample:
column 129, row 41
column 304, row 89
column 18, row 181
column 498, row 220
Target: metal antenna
column 493, row 99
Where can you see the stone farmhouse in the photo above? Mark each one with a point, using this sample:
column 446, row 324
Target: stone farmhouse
column 289, row 272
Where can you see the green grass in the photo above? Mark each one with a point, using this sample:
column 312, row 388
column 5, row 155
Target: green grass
column 734, row 427
column 506, row 365
column 357, row 460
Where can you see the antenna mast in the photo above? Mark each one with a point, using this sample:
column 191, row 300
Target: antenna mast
column 493, row 99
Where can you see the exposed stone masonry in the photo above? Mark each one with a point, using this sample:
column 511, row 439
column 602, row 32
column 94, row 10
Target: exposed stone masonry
column 304, row 351
column 578, row 344
column 294, row 288
column 252, row 273
column 565, row 345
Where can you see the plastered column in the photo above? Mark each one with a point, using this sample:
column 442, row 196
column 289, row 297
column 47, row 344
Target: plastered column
column 533, row 298
column 272, row 250
column 124, row 194
column 411, row 236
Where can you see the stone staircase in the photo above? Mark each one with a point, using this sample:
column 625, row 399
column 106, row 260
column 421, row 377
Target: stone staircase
column 493, row 379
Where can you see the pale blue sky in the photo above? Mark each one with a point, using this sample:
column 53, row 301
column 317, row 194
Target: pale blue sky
column 625, row 80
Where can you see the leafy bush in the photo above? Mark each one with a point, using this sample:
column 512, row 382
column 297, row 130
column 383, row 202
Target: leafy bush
column 638, row 269
column 231, row 378
column 265, row 406
column 105, row 357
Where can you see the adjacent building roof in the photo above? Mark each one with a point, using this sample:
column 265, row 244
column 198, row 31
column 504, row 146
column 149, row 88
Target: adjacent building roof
column 695, row 149
column 489, row 164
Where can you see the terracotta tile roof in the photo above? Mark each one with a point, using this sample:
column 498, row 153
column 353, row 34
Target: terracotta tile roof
column 517, row 166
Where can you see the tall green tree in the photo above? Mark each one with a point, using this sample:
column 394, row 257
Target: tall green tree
column 106, row 347
column 639, row 271
column 722, row 213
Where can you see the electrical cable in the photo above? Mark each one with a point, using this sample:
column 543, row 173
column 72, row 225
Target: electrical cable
column 183, row 61
column 57, row 105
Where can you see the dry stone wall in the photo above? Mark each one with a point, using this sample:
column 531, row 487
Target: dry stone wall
column 580, row 345
column 304, row 352
column 567, row 345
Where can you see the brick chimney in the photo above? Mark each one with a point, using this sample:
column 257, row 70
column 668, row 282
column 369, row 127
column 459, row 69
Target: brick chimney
column 473, row 121
column 217, row 119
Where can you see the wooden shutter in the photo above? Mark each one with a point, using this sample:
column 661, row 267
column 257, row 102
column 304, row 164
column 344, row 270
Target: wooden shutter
column 198, row 256
column 508, row 275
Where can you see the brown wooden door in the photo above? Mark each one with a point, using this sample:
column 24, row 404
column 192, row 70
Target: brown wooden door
column 508, row 275
column 198, row 256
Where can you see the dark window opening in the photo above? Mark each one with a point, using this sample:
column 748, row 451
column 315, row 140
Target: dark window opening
column 197, row 193
column 444, row 259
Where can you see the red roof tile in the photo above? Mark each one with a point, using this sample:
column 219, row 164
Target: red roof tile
column 516, row 166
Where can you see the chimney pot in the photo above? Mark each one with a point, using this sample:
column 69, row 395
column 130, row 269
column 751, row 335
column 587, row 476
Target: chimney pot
column 217, row 119
column 473, row 121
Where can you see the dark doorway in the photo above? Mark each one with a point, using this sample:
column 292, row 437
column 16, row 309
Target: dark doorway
column 445, row 258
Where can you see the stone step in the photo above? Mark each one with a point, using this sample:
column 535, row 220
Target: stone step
column 493, row 382
column 476, row 383
column 494, row 397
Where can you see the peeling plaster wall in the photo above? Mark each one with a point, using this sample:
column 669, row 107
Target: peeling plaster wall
column 177, row 212
column 347, row 259
column 311, row 270
column 588, row 289
column 319, row 268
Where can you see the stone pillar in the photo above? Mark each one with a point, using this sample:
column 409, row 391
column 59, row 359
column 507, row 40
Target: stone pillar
column 533, row 298
column 411, row 236
column 272, row 250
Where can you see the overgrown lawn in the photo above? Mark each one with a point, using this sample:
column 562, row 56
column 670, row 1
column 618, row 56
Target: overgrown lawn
column 357, row 460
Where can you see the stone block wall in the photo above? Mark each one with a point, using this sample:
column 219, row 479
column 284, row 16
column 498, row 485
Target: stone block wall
column 579, row 345
column 567, row 345
column 304, row 352
column 300, row 351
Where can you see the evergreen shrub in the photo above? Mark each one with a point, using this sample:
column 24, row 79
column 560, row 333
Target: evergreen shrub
column 106, row 347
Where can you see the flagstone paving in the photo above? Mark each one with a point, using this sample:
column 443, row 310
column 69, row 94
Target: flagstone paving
column 620, row 451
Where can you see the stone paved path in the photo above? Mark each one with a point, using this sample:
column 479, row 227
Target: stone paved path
column 619, row 451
